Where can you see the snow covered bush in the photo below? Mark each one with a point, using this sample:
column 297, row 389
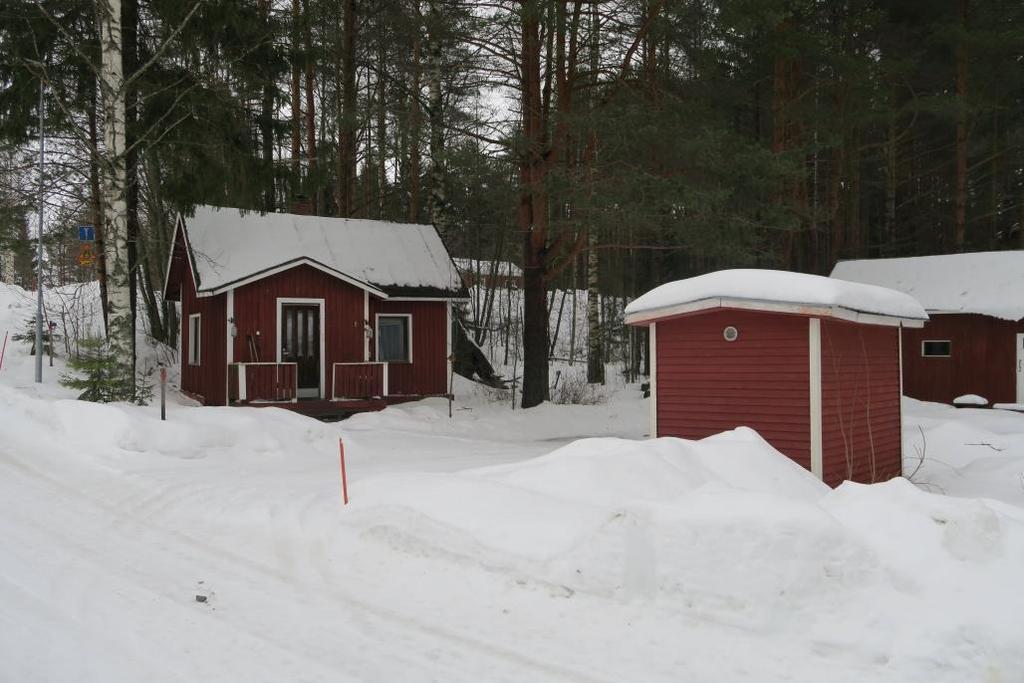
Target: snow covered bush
column 575, row 390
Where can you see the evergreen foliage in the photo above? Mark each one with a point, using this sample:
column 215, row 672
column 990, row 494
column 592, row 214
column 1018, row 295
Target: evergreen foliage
column 95, row 372
column 637, row 141
column 28, row 336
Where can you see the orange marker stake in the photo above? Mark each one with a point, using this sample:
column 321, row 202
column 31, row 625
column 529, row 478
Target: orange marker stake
column 344, row 479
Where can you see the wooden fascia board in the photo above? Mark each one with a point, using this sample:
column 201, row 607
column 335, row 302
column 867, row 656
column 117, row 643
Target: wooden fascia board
column 838, row 312
column 280, row 268
column 179, row 226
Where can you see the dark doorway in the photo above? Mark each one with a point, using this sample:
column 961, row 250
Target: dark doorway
column 300, row 344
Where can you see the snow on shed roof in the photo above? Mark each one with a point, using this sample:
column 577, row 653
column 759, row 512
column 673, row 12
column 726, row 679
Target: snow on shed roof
column 776, row 290
column 986, row 282
column 487, row 268
column 230, row 246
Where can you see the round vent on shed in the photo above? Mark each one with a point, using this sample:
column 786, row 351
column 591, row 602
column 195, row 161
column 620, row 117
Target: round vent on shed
column 730, row 334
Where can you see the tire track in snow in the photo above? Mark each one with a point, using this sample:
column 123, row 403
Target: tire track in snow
column 344, row 600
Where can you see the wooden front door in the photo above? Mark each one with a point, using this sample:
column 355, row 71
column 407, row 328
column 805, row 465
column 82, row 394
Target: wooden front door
column 300, row 344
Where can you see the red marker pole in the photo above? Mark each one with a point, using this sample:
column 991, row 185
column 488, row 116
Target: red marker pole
column 344, row 479
column 3, row 350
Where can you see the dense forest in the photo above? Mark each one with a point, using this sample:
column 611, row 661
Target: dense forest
column 608, row 146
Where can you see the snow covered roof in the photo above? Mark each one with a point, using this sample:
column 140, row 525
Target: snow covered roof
column 776, row 290
column 986, row 282
column 486, row 268
column 230, row 247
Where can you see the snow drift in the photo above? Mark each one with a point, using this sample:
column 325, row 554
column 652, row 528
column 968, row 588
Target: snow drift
column 729, row 530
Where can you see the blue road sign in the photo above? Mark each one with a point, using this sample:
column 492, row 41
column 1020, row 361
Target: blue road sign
column 86, row 233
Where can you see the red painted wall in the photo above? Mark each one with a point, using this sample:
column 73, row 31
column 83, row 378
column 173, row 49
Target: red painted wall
column 208, row 380
column 427, row 374
column 255, row 308
column 860, row 402
column 983, row 359
column 707, row 385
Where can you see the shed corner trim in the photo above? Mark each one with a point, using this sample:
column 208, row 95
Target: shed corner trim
column 814, row 366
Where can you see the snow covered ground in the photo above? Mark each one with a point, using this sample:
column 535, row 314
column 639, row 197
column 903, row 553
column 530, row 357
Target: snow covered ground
column 492, row 546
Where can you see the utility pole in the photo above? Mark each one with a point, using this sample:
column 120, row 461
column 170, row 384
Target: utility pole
column 39, row 254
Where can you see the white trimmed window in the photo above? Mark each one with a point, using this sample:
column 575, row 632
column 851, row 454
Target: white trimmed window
column 195, row 338
column 394, row 338
column 936, row 348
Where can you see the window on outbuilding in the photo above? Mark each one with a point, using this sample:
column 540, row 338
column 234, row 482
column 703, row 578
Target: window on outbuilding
column 394, row 338
column 936, row 348
column 195, row 336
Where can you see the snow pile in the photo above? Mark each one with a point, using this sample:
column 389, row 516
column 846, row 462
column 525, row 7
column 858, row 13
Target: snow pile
column 988, row 282
column 728, row 530
column 971, row 400
column 775, row 286
column 964, row 451
column 488, row 268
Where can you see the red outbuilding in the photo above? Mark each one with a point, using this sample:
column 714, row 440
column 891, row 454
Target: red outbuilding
column 321, row 315
column 811, row 363
column 973, row 343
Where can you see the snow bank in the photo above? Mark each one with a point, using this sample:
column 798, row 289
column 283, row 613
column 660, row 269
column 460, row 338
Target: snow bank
column 729, row 530
column 971, row 400
column 775, row 286
column 988, row 282
column 964, row 451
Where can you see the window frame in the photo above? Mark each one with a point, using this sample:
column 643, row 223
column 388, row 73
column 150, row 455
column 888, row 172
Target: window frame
column 408, row 335
column 948, row 353
column 195, row 343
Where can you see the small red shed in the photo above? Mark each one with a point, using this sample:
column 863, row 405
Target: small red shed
column 973, row 342
column 811, row 363
column 321, row 315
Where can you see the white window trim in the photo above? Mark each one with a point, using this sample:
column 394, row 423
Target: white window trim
column 195, row 350
column 936, row 341
column 814, row 394
column 376, row 335
column 281, row 301
column 653, row 418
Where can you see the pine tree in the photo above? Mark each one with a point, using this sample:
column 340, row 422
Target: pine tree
column 98, row 375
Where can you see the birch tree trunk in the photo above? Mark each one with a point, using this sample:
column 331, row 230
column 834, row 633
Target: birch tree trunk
column 113, row 172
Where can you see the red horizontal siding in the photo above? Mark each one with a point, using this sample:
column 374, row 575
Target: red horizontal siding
column 860, row 400
column 983, row 359
column 707, row 385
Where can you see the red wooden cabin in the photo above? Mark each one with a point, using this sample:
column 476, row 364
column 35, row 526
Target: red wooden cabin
column 973, row 342
column 811, row 363
column 321, row 315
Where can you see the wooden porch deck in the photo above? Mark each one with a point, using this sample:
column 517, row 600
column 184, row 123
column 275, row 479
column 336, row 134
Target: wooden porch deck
column 328, row 410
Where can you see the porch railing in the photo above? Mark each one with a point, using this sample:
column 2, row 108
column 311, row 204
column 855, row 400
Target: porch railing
column 359, row 380
column 262, row 382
